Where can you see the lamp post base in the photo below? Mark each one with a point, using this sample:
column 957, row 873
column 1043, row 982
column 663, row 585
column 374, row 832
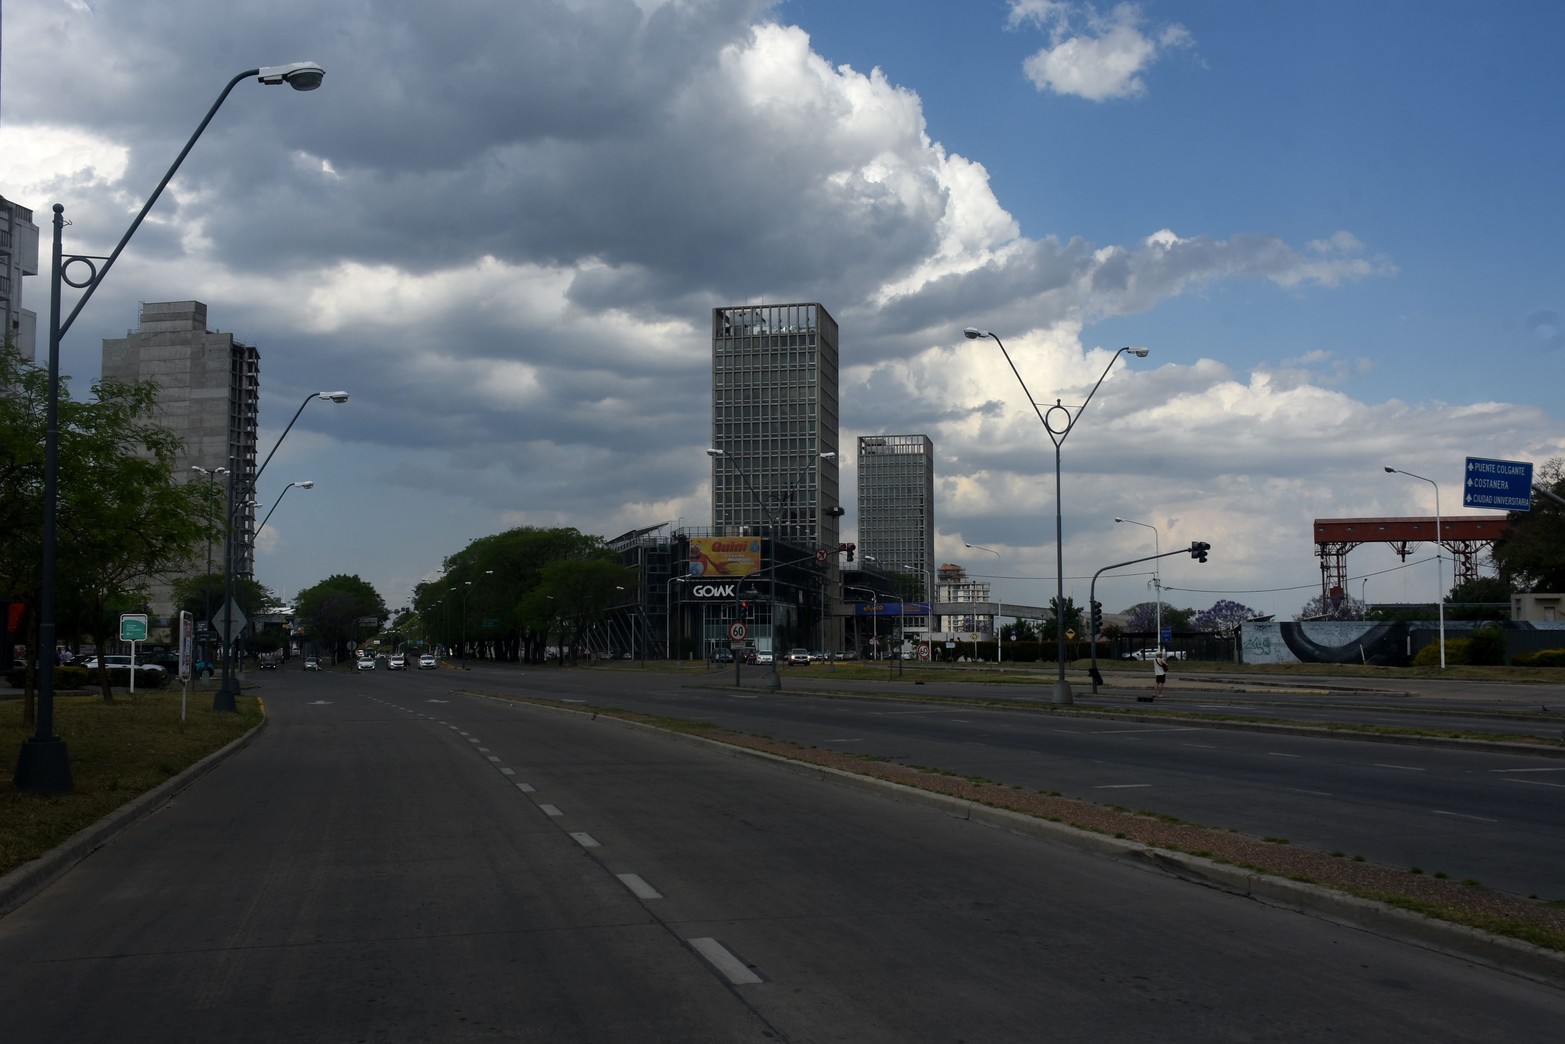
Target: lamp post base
column 1062, row 692
column 223, row 700
column 773, row 679
column 43, row 767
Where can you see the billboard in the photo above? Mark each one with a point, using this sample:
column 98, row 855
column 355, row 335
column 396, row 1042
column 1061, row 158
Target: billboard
column 725, row 556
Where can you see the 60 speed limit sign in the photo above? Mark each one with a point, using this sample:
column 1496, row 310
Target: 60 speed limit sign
column 736, row 630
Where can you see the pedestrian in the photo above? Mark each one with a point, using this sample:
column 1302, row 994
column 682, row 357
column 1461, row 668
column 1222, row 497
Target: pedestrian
column 1159, row 674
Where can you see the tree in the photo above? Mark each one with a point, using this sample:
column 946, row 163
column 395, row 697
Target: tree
column 1223, row 618
column 1530, row 555
column 338, row 610
column 1318, row 608
column 1070, row 616
column 503, row 569
column 121, row 519
column 1142, row 617
column 1485, row 598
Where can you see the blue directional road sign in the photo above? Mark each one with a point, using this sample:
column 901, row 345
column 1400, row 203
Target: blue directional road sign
column 1505, row 484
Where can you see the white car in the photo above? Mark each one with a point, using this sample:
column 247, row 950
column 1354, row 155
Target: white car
column 312, row 663
column 799, row 656
column 366, row 663
column 427, row 662
column 397, row 663
column 143, row 670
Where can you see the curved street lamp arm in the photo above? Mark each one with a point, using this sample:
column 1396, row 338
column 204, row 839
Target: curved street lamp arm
column 1074, row 417
column 146, row 207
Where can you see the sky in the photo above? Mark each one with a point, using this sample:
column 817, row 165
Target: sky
column 502, row 227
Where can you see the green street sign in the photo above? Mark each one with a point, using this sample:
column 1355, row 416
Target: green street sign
column 133, row 627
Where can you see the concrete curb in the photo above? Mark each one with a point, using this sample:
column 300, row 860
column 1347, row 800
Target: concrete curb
column 30, row 878
column 1508, row 955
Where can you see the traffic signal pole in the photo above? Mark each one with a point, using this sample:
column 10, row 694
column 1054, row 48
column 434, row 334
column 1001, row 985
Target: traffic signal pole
column 1095, row 611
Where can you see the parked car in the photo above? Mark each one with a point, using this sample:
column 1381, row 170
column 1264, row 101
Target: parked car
column 427, row 662
column 764, row 657
column 312, row 663
column 799, row 656
column 366, row 663
column 397, row 663
column 143, row 670
column 722, row 655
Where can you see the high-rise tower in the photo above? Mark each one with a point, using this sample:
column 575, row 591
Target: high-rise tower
column 774, row 417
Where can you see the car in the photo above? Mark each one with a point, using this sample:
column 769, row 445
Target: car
column 722, row 655
column 312, row 663
column 427, row 662
column 397, row 663
column 764, row 657
column 366, row 663
column 269, row 664
column 143, row 670
column 799, row 656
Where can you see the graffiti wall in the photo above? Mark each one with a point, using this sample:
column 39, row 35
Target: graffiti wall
column 1362, row 641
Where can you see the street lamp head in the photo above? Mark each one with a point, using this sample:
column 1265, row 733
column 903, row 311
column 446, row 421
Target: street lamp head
column 829, row 455
column 1140, row 353
column 304, row 485
column 334, row 396
column 714, row 453
column 973, row 333
column 1391, row 471
column 1118, row 519
column 301, row 76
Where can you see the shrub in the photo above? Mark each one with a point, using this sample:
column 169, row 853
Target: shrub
column 1486, row 647
column 1455, row 653
column 1541, row 658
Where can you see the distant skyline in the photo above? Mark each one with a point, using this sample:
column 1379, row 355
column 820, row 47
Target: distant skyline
column 502, row 227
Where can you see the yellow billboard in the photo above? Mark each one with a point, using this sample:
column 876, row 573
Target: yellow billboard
column 725, row 556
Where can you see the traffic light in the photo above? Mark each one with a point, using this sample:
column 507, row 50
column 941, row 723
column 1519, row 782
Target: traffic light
column 744, row 610
column 849, row 549
column 1198, row 550
column 1097, row 617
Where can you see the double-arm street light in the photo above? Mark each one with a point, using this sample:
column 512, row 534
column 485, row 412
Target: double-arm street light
column 1157, row 573
column 1439, row 556
column 44, row 765
column 1058, row 421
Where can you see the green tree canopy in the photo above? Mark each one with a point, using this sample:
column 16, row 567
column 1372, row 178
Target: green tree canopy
column 1531, row 555
column 121, row 518
column 338, row 610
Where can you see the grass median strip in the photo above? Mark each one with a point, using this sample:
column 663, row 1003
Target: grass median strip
column 118, row 751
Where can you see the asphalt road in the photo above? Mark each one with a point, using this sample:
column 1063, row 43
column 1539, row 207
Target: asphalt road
column 1489, row 816
column 391, row 861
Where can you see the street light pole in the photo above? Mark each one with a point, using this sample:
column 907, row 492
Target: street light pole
column 44, row 764
column 774, row 680
column 997, row 655
column 206, row 591
column 1439, row 557
column 284, row 493
column 227, row 693
column 1157, row 574
column 1058, row 422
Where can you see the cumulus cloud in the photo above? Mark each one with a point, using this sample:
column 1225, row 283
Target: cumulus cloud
column 503, row 227
column 1093, row 55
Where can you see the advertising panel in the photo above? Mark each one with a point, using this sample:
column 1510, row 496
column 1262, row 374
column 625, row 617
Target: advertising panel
column 725, row 556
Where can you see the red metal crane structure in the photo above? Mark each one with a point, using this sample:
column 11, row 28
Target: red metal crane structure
column 1462, row 535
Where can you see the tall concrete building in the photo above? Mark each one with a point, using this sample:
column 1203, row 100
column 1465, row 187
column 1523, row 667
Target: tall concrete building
column 209, row 393
column 774, row 419
column 897, row 506
column 18, row 258
column 774, row 415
